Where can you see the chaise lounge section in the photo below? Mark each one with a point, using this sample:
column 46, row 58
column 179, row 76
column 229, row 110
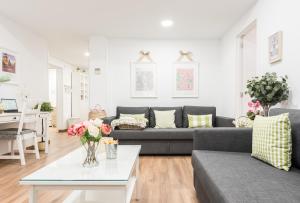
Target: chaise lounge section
column 156, row 141
column 224, row 170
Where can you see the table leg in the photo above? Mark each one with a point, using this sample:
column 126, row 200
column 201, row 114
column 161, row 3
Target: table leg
column 137, row 175
column 46, row 135
column 33, row 195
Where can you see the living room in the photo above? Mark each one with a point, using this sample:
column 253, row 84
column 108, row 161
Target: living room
column 140, row 101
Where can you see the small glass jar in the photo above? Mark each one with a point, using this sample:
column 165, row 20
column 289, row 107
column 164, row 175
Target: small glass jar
column 111, row 151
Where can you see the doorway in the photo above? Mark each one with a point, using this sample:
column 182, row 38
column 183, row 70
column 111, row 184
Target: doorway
column 52, row 72
column 247, row 67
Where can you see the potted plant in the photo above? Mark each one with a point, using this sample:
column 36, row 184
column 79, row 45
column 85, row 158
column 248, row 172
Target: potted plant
column 45, row 107
column 269, row 90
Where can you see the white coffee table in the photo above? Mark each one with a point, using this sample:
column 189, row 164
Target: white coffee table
column 112, row 181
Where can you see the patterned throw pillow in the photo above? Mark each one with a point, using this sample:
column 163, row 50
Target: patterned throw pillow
column 200, row 121
column 136, row 116
column 165, row 119
column 271, row 140
column 243, row 122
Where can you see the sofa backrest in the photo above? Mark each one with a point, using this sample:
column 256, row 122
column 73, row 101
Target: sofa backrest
column 294, row 116
column 133, row 110
column 198, row 110
column 178, row 115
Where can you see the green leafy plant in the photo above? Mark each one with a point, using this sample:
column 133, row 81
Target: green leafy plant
column 45, row 107
column 268, row 90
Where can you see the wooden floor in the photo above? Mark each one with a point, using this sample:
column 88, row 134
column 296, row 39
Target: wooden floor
column 163, row 179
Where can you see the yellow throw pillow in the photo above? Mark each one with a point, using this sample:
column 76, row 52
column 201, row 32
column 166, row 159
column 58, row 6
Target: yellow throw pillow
column 165, row 119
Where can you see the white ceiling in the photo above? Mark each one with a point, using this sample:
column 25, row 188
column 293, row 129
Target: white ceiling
column 67, row 24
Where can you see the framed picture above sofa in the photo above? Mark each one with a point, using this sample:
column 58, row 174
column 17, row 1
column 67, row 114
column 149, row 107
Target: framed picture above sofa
column 143, row 80
column 185, row 79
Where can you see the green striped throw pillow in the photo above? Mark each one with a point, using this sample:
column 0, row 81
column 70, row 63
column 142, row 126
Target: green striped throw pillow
column 200, row 121
column 271, row 140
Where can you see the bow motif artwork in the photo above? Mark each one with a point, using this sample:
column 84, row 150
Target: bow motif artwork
column 185, row 54
column 145, row 55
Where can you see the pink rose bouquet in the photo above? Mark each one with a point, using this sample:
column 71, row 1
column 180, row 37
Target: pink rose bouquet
column 90, row 133
column 90, row 130
column 254, row 109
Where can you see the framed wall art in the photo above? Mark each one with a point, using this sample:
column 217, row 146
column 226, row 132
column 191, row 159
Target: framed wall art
column 143, row 79
column 275, row 47
column 185, row 79
column 9, row 65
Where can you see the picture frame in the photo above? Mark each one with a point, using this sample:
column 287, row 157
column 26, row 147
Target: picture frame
column 143, row 80
column 275, row 47
column 9, row 65
column 185, row 80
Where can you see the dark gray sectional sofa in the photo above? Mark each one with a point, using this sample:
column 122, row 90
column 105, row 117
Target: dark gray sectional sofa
column 165, row 141
column 224, row 170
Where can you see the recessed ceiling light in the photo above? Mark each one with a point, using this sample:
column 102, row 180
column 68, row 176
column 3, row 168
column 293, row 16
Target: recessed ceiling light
column 87, row 53
column 166, row 23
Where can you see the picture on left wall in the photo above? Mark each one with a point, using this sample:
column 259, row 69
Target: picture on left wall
column 9, row 65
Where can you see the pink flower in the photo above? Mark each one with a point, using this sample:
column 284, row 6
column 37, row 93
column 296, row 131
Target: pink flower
column 71, row 131
column 76, row 130
column 106, row 129
column 81, row 131
column 257, row 104
column 250, row 104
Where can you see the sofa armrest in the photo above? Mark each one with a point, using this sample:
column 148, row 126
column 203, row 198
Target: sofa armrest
column 108, row 120
column 223, row 139
column 224, row 121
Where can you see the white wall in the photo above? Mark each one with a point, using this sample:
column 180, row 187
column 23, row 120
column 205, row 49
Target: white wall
column 32, row 67
column 99, row 93
column 32, row 52
column 271, row 16
column 112, row 87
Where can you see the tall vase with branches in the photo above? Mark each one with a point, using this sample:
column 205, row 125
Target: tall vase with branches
column 269, row 90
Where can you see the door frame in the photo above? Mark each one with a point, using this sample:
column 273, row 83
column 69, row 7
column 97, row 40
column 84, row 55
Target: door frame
column 239, row 92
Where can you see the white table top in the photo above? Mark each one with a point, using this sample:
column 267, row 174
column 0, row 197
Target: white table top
column 68, row 170
column 19, row 113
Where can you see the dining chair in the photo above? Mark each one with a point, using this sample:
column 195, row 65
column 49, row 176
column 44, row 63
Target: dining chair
column 20, row 135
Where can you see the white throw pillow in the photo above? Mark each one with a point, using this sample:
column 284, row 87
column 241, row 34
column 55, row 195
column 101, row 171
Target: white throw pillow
column 165, row 119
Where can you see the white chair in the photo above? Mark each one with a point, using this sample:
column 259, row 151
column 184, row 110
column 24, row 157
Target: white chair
column 20, row 135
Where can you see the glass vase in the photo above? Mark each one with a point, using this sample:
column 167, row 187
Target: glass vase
column 266, row 110
column 91, row 158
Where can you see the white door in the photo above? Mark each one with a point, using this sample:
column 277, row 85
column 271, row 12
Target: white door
column 248, row 65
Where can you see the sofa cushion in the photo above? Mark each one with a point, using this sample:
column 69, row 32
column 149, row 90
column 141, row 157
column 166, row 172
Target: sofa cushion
column 237, row 177
column 154, row 134
column 271, row 140
column 133, row 110
column 200, row 121
column 178, row 115
column 198, row 110
column 294, row 116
